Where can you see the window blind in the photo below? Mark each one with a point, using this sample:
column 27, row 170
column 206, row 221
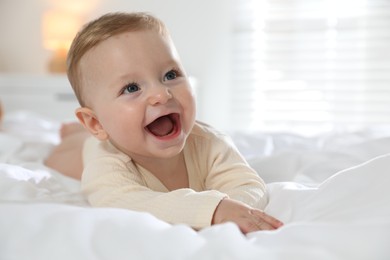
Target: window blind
column 310, row 66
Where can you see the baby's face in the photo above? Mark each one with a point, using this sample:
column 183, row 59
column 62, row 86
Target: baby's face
column 136, row 86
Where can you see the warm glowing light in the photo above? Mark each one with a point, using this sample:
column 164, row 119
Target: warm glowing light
column 74, row 6
column 60, row 25
column 59, row 29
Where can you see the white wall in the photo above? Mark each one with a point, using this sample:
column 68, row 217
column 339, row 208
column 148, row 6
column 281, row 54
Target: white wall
column 200, row 29
column 21, row 49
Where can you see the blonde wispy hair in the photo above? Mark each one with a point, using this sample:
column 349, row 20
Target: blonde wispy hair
column 100, row 29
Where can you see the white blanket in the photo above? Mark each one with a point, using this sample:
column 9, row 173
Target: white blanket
column 43, row 215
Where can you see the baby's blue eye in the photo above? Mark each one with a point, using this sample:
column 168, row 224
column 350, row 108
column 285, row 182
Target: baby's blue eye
column 131, row 88
column 170, row 75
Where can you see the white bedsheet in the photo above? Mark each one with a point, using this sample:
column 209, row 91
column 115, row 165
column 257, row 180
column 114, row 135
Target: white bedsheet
column 43, row 215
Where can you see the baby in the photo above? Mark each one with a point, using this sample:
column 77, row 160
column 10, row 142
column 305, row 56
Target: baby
column 148, row 153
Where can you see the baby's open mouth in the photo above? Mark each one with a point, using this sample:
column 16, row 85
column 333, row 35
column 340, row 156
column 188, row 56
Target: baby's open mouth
column 164, row 125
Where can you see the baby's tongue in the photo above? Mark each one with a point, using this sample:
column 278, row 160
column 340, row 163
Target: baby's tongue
column 161, row 126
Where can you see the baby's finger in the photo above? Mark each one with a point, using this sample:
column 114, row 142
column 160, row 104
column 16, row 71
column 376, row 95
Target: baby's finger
column 253, row 224
column 273, row 222
column 263, row 225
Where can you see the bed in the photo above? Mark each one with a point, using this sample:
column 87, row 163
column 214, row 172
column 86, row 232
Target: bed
column 331, row 191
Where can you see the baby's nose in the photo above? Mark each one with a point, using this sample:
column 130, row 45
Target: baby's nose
column 159, row 95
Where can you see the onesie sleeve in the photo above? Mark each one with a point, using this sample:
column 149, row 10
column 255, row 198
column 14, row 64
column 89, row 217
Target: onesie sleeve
column 228, row 172
column 113, row 181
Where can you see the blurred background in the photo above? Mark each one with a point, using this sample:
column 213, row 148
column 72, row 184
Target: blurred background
column 304, row 66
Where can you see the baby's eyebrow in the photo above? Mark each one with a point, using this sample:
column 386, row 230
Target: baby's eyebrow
column 172, row 63
column 124, row 79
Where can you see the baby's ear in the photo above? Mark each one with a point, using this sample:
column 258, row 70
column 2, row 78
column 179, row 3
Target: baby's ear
column 89, row 120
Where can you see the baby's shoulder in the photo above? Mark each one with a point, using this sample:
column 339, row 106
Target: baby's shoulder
column 204, row 133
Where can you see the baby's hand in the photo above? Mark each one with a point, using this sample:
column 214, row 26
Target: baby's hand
column 248, row 219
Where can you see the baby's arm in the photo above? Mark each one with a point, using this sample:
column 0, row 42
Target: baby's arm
column 230, row 173
column 114, row 181
column 182, row 206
